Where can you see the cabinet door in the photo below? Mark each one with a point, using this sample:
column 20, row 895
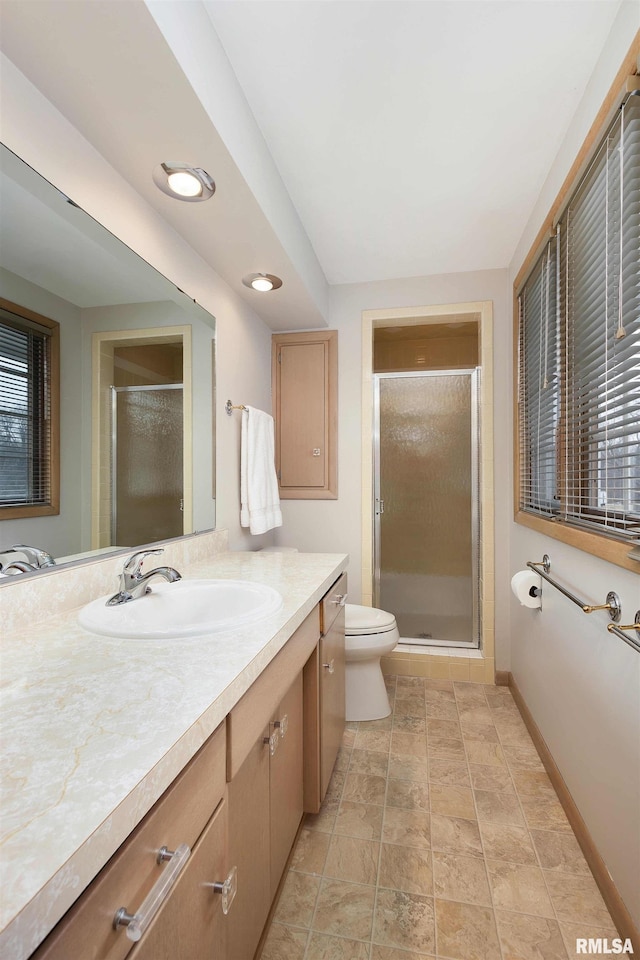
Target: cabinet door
column 191, row 923
column 285, row 779
column 304, row 386
column 332, row 697
column 249, row 850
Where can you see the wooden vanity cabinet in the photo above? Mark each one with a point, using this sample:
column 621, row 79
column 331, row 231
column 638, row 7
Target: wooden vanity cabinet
column 192, row 807
column 265, row 772
column 324, row 697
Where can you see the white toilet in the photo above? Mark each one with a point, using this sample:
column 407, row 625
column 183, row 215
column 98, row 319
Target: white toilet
column 369, row 634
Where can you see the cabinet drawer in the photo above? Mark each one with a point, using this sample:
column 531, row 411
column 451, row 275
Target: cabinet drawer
column 256, row 708
column 332, row 603
column 190, row 923
column 178, row 817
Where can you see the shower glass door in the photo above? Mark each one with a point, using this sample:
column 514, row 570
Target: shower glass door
column 426, row 505
column 146, row 464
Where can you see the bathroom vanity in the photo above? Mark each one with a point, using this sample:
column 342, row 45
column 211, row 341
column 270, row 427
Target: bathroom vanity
column 185, row 763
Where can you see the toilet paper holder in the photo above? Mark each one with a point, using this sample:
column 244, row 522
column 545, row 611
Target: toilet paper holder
column 612, row 604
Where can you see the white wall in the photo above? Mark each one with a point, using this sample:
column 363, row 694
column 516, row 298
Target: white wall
column 582, row 684
column 336, row 524
column 43, row 138
column 58, row 535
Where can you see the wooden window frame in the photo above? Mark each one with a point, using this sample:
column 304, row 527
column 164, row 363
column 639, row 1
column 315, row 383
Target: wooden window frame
column 53, row 507
column 598, row 544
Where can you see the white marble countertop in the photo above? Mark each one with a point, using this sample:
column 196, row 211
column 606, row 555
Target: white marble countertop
column 95, row 729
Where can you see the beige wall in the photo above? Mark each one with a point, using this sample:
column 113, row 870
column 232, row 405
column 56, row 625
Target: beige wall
column 581, row 683
column 336, row 524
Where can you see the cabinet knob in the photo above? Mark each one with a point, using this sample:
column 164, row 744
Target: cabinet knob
column 136, row 923
column 228, row 890
column 330, row 667
column 340, row 599
column 272, row 741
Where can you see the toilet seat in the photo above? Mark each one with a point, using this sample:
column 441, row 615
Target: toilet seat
column 360, row 621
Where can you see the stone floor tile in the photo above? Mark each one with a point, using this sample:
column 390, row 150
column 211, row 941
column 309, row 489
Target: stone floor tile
column 577, row 899
column 466, row 931
column 284, row 943
column 363, row 820
column 404, row 920
column 310, row 852
column 297, row 900
column 369, row 761
column 323, row 947
column 408, row 827
column 519, row 887
column 502, row 841
column 350, row 858
column 345, row 909
column 406, row 868
column 408, row 768
column 452, row 801
column 455, row 835
column 560, row 852
column 453, row 772
column 499, row 807
column 460, row 878
column 529, row 938
column 365, row 788
column 408, row 794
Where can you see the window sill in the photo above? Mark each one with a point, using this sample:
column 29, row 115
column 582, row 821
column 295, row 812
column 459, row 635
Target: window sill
column 33, row 510
column 613, row 551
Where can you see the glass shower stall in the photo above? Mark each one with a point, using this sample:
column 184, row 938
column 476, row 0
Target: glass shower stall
column 426, row 505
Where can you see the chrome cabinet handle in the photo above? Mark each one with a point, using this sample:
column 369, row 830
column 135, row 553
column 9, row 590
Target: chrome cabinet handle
column 330, row 667
column 136, row 923
column 282, row 725
column 228, row 890
column 340, row 599
column 273, row 741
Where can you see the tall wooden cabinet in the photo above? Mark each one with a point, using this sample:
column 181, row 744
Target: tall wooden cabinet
column 305, row 409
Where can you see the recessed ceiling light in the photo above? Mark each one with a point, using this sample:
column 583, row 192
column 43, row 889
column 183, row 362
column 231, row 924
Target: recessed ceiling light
column 262, row 282
column 184, row 182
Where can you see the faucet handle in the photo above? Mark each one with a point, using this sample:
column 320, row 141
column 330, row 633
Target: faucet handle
column 134, row 564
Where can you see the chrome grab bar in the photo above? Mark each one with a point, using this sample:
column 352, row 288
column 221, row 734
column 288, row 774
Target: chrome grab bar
column 612, row 604
column 619, row 632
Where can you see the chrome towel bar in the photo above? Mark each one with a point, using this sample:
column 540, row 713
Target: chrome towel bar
column 230, row 407
column 612, row 603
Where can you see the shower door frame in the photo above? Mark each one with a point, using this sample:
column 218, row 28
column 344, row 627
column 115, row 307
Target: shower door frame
column 138, row 388
column 474, row 374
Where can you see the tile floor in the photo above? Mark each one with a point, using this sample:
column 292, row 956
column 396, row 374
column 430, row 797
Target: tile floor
column 440, row 836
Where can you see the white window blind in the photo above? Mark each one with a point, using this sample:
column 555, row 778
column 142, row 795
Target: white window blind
column 25, row 419
column 580, row 434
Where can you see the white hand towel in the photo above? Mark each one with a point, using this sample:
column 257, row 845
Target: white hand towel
column 259, row 497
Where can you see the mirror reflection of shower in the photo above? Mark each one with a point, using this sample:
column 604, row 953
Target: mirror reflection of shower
column 144, row 491
column 426, row 469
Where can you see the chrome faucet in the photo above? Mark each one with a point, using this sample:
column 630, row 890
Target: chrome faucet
column 34, row 556
column 134, row 583
column 16, row 567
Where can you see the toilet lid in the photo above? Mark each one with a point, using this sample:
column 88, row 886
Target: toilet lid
column 361, row 620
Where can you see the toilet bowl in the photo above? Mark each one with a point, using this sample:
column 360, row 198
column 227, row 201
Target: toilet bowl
column 369, row 634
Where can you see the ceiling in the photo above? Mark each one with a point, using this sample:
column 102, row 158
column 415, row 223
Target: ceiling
column 408, row 138
column 413, row 137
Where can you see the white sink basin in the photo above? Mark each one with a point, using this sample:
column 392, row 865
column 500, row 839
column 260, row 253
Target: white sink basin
column 186, row 608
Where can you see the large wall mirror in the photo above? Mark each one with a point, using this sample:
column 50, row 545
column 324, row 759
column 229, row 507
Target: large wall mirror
column 137, row 360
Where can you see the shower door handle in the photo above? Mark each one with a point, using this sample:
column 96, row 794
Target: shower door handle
column 380, row 503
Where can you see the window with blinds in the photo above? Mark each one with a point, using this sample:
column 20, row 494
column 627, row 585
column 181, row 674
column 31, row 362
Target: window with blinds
column 27, row 409
column 579, row 349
